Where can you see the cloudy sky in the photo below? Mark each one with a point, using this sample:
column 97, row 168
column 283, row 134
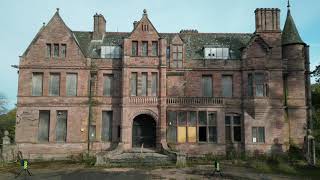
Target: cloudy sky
column 21, row 19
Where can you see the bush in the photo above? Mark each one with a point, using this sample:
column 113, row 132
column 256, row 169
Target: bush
column 295, row 153
column 88, row 159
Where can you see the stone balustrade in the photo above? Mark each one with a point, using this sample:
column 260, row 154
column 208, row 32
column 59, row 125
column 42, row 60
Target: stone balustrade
column 195, row 100
column 143, row 100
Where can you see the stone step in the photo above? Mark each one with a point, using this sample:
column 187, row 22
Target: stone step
column 140, row 159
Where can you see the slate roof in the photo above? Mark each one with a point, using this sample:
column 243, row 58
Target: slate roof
column 195, row 42
column 290, row 34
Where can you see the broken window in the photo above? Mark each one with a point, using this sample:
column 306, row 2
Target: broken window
column 227, row 86
column 54, row 85
column 72, row 80
column 206, row 85
column 111, row 52
column 171, row 127
column 37, row 79
column 154, row 84
column 56, row 50
column 44, row 126
column 154, row 48
column 48, row 54
column 106, row 132
column 63, row 50
column 144, row 48
column 260, row 85
column 233, row 128
column 61, row 127
column 177, row 56
column 212, row 121
column 258, row 135
column 133, row 84
column 202, row 117
column 216, row 53
column 144, row 84
column 108, row 84
column 134, row 48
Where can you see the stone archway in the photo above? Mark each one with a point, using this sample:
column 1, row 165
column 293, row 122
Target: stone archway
column 144, row 131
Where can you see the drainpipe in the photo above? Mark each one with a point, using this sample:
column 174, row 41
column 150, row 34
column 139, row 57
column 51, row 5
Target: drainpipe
column 90, row 111
column 308, row 89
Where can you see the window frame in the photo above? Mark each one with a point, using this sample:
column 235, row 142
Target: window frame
column 136, row 84
column 155, row 48
column 56, row 52
column 256, row 131
column 232, row 125
column 222, row 85
column 32, row 87
column 59, row 84
column 177, row 62
column 134, row 48
column 203, row 86
column 144, row 48
column 63, row 50
column 111, row 88
column 76, row 85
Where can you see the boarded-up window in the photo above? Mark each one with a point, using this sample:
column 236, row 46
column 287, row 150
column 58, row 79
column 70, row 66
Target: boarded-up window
column 206, row 86
column 71, row 86
column 56, row 50
column 258, row 135
column 182, row 131
column 63, row 50
column 37, row 79
column 107, row 84
column 48, row 53
column 61, row 127
column 106, row 131
column 154, row 48
column 154, row 84
column 133, row 84
column 134, row 48
column 227, row 86
column 171, row 127
column 44, row 126
column 192, row 129
column 144, row 84
column 144, row 48
column 54, row 85
column 250, row 85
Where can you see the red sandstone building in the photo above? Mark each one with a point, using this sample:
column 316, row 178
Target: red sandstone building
column 196, row 92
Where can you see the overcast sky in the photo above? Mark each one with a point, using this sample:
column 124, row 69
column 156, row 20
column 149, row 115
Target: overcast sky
column 21, row 20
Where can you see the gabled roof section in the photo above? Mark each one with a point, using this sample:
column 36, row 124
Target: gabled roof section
column 177, row 40
column 145, row 21
column 290, row 34
column 57, row 17
column 258, row 39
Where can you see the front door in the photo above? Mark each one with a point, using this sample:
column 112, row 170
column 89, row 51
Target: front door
column 144, row 131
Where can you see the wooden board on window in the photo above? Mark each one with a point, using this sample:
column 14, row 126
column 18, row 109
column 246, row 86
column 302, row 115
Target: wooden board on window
column 182, row 134
column 192, row 134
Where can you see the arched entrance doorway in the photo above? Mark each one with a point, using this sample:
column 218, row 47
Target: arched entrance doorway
column 144, row 131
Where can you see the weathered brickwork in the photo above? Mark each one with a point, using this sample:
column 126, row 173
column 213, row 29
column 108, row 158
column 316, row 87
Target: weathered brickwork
column 268, row 93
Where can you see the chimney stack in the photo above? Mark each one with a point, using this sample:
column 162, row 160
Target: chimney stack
column 99, row 26
column 267, row 20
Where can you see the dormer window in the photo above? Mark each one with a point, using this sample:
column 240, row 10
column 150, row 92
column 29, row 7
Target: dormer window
column 176, row 56
column 216, row 53
column 111, row 52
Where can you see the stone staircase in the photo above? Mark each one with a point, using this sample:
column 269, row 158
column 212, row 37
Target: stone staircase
column 135, row 157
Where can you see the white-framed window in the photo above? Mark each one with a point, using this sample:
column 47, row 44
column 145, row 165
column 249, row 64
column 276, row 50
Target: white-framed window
column 216, row 53
column 110, row 52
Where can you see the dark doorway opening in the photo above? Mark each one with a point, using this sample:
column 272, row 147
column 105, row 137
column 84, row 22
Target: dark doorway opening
column 144, row 131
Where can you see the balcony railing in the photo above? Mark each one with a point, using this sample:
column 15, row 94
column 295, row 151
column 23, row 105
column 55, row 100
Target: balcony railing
column 143, row 100
column 195, row 100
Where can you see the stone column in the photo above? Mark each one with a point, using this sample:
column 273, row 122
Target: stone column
column 6, row 140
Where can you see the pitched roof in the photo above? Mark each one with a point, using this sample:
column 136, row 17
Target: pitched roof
column 195, row 42
column 290, row 34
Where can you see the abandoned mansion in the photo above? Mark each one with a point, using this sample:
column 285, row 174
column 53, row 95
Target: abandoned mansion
column 193, row 92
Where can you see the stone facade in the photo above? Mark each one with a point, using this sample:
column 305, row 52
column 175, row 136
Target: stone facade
column 280, row 111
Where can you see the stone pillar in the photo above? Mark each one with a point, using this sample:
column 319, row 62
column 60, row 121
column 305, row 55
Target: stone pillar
column 6, row 140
